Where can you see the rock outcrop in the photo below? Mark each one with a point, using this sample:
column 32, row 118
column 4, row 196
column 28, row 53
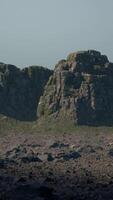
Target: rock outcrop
column 81, row 90
column 20, row 90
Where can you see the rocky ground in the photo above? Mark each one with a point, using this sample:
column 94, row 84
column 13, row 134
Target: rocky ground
column 65, row 166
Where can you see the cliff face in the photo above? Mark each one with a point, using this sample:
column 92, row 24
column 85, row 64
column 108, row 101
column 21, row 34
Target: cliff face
column 20, row 90
column 81, row 89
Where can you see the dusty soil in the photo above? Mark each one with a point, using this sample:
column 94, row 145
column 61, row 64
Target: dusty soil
column 67, row 166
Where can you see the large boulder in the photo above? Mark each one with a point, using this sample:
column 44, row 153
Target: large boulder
column 80, row 90
column 20, row 90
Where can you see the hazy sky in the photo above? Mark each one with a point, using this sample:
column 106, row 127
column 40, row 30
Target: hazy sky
column 43, row 31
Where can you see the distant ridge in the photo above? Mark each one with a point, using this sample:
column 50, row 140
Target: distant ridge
column 20, row 90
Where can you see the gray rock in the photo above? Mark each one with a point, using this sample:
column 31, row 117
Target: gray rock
column 59, row 145
column 20, row 90
column 71, row 156
column 50, row 157
column 30, row 159
column 110, row 153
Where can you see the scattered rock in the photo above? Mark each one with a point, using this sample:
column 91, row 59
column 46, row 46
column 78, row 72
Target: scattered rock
column 58, row 145
column 110, row 153
column 16, row 152
column 22, row 154
column 50, row 157
column 43, row 157
column 71, row 155
column 29, row 159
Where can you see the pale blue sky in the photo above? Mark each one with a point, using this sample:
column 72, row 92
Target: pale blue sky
column 43, row 31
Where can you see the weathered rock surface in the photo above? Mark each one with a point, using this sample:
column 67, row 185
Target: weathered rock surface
column 81, row 89
column 20, row 90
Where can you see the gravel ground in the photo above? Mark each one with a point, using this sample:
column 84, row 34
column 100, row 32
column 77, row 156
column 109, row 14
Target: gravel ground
column 67, row 166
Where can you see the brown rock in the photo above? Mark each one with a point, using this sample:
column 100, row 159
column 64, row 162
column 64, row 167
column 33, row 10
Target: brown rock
column 81, row 89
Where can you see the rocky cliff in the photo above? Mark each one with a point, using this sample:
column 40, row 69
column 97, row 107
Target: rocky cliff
column 20, row 90
column 80, row 90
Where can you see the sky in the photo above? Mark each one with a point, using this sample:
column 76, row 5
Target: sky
column 41, row 32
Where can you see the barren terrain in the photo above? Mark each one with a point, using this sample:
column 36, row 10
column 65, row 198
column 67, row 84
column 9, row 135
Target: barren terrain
column 63, row 166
